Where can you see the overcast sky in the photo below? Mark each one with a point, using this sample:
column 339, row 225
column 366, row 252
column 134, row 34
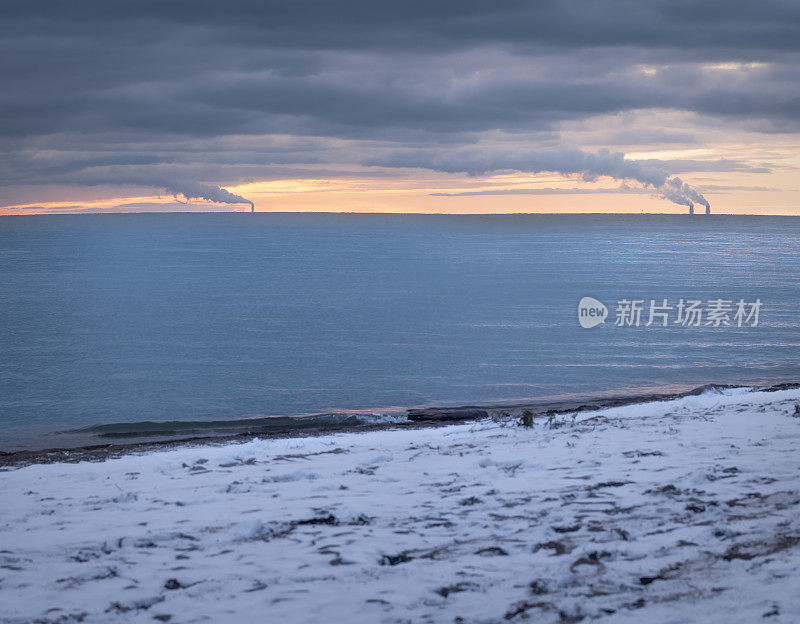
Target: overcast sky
column 500, row 106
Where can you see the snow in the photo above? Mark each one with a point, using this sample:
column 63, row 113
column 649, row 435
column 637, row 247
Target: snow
column 678, row 511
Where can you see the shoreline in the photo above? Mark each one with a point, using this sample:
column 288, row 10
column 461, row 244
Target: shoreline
column 668, row 511
column 430, row 417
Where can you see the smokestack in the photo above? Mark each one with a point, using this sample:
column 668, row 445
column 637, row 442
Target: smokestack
column 691, row 208
column 252, row 207
column 708, row 209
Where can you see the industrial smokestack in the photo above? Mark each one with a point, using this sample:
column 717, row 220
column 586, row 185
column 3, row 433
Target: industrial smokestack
column 691, row 208
column 708, row 209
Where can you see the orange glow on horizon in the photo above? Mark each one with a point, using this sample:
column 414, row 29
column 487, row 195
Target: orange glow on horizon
column 434, row 193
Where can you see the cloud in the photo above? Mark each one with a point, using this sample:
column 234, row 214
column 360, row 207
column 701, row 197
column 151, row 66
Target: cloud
column 35, row 208
column 690, row 166
column 381, row 24
column 732, row 188
column 544, row 191
column 203, row 97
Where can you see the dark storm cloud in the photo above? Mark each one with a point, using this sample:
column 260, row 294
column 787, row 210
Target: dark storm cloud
column 124, row 92
column 315, row 24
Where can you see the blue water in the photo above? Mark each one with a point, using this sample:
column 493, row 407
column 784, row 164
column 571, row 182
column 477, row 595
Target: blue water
column 128, row 318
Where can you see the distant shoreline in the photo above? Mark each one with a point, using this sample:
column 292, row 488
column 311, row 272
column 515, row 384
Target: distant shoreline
column 441, row 416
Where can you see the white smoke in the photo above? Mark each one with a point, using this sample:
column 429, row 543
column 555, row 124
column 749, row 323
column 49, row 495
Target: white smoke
column 570, row 162
column 191, row 190
column 679, row 192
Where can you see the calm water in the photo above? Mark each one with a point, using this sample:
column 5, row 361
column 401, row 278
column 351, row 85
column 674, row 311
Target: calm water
column 129, row 318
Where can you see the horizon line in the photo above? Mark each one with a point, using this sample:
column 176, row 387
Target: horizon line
column 358, row 212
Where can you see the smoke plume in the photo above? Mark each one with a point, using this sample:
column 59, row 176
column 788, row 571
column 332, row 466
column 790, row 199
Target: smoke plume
column 570, row 162
column 679, row 192
column 191, row 190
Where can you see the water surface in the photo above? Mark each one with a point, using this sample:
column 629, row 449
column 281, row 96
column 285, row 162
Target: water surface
column 128, row 318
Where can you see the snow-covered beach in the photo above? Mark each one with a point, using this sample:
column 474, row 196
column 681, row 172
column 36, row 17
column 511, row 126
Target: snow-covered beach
column 676, row 511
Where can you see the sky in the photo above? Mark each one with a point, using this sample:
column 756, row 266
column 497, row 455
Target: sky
column 405, row 106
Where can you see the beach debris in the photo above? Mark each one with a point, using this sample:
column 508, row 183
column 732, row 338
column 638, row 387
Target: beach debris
column 444, row 592
column 492, row 551
column 393, row 560
column 446, row 414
